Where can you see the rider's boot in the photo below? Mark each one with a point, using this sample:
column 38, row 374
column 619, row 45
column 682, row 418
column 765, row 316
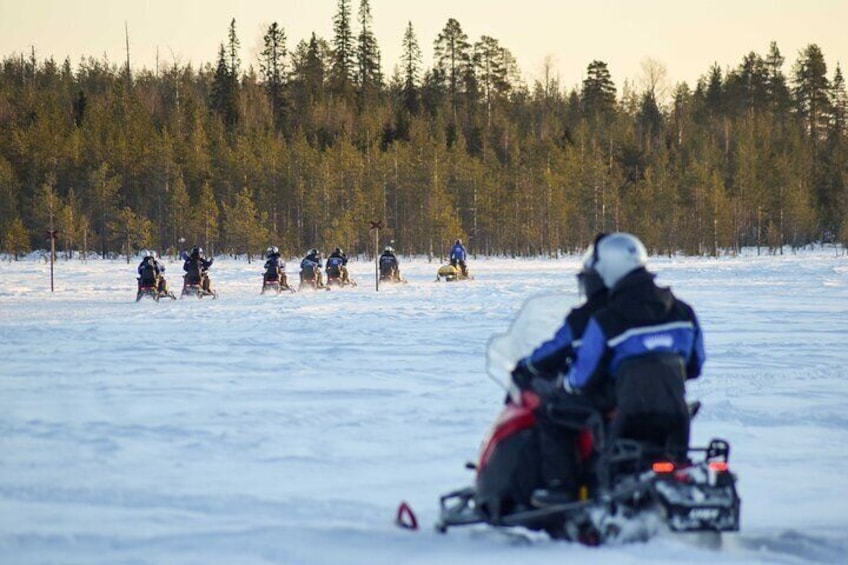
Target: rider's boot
column 555, row 492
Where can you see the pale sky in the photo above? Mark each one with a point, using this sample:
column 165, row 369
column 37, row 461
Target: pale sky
column 685, row 37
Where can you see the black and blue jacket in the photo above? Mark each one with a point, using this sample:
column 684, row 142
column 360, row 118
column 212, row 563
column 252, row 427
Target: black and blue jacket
column 646, row 342
column 555, row 355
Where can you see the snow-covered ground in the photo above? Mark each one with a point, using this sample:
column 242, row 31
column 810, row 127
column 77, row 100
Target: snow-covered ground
column 286, row 429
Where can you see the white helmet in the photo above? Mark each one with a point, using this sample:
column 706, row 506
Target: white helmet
column 146, row 253
column 617, row 255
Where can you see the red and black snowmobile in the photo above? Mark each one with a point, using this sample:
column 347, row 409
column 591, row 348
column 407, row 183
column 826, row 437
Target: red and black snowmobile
column 628, row 489
column 628, row 484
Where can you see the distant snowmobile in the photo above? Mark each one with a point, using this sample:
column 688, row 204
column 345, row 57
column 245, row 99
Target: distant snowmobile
column 196, row 281
column 151, row 290
column 275, row 280
column 197, row 287
column 451, row 273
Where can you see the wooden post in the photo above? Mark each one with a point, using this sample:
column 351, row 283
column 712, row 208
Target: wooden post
column 51, row 235
column 375, row 227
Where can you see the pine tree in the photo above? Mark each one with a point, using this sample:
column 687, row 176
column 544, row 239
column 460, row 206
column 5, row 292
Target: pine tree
column 179, row 212
column 369, row 76
column 490, row 62
column 598, row 93
column 225, row 83
column 131, row 232
column 224, row 91
column 9, row 191
column 70, row 222
column 244, row 226
column 342, row 70
column 103, row 190
column 411, row 62
column 15, row 238
column 452, row 59
column 776, row 88
column 811, row 91
column 272, row 67
column 838, row 104
column 47, row 205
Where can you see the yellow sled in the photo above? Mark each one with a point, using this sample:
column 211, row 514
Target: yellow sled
column 449, row 273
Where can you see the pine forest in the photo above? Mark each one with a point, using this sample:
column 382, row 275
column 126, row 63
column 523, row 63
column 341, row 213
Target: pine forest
column 311, row 143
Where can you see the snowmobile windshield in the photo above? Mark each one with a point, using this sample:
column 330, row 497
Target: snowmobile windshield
column 538, row 320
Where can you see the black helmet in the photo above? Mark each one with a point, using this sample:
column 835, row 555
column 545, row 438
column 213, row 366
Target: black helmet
column 338, row 250
column 196, row 251
column 458, row 242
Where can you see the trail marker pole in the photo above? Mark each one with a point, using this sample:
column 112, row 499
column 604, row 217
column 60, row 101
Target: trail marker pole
column 51, row 235
column 376, row 226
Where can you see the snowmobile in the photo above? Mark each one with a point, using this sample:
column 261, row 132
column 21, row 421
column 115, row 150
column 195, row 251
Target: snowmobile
column 311, row 278
column 628, row 489
column 451, row 273
column 152, row 290
column 696, row 496
column 336, row 277
column 391, row 275
column 198, row 287
column 274, row 280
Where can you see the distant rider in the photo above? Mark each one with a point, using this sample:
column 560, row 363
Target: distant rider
column 389, row 267
column 310, row 267
column 275, row 267
column 337, row 266
column 196, row 266
column 151, row 272
column 458, row 255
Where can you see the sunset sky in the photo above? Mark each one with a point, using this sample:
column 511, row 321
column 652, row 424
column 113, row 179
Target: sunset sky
column 685, row 37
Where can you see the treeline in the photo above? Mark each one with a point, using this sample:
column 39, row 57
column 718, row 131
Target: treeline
column 310, row 147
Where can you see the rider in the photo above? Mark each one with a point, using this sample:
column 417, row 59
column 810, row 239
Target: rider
column 310, row 267
column 458, row 256
column 337, row 266
column 196, row 266
column 539, row 371
column 389, row 267
column 150, row 272
column 275, row 268
column 645, row 344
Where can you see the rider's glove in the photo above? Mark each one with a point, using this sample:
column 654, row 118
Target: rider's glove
column 522, row 376
column 566, row 386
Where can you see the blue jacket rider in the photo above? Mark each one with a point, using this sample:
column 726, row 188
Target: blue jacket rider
column 458, row 256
